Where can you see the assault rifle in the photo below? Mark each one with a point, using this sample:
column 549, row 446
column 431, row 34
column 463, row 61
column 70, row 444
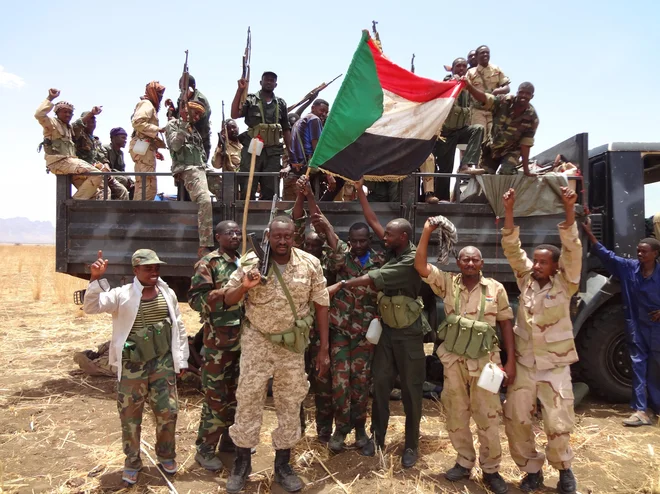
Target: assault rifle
column 313, row 93
column 224, row 136
column 376, row 35
column 184, row 84
column 247, row 54
column 262, row 250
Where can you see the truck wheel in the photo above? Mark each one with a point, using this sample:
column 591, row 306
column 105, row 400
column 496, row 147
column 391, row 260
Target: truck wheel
column 604, row 358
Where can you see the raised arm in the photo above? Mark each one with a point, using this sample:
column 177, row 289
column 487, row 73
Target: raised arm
column 236, row 110
column 421, row 256
column 97, row 298
column 617, row 266
column 570, row 261
column 45, row 107
column 513, row 251
column 369, row 215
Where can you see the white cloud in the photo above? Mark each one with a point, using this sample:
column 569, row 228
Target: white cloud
column 9, row 80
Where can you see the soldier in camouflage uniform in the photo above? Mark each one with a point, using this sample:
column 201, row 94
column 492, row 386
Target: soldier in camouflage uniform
column 222, row 349
column 350, row 313
column 148, row 347
column 472, row 296
column 274, row 332
column 313, row 242
column 545, row 348
column 188, row 165
column 265, row 115
column 112, row 155
column 514, row 126
column 90, row 149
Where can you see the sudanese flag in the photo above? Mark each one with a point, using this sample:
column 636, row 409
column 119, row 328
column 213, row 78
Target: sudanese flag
column 384, row 121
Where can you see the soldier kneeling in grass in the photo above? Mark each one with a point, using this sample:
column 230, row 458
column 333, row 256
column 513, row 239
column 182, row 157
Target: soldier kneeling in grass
column 148, row 347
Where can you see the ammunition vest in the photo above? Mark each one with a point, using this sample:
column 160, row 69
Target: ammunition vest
column 471, row 338
column 296, row 338
column 399, row 311
column 270, row 133
column 58, row 147
column 148, row 342
column 459, row 114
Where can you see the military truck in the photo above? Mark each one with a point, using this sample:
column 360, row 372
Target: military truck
column 612, row 184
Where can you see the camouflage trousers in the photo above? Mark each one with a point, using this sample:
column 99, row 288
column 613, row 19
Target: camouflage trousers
column 554, row 390
column 144, row 163
column 219, row 381
column 508, row 161
column 87, row 185
column 321, row 387
column 351, row 357
column 260, row 360
column 483, row 118
column 462, row 399
column 195, row 182
column 153, row 380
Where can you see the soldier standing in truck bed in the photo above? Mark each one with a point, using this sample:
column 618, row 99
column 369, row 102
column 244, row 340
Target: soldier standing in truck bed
column 266, row 116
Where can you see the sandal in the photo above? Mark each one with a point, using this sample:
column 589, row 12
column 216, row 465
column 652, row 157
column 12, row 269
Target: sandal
column 130, row 476
column 637, row 419
column 169, row 466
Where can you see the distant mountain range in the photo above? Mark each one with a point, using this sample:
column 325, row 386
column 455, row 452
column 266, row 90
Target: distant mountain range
column 25, row 231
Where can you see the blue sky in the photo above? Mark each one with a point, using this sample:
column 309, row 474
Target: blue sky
column 593, row 63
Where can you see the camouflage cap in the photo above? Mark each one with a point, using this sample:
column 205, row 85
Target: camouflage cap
column 142, row 257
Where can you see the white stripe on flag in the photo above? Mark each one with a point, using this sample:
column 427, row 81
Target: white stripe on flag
column 411, row 120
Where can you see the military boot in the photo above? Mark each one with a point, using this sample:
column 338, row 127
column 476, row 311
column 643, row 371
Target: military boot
column 240, row 471
column 495, row 483
column 567, row 483
column 336, row 443
column 361, row 437
column 532, row 482
column 284, row 474
column 210, row 462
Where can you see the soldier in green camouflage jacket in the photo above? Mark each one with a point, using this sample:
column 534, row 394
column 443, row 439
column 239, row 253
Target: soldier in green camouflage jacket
column 349, row 316
column 90, row 149
column 514, row 126
column 222, row 348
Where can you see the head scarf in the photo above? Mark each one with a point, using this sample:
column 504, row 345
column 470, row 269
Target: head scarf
column 117, row 131
column 154, row 92
column 448, row 237
column 60, row 105
column 198, row 107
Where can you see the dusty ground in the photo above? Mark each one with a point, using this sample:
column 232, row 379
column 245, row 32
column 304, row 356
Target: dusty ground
column 59, row 430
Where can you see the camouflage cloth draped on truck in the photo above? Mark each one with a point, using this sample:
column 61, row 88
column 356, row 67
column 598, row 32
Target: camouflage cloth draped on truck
column 59, row 148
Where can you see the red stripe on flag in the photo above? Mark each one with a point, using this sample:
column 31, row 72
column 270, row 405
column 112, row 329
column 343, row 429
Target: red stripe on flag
column 408, row 85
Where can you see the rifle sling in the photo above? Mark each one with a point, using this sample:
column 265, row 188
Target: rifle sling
column 286, row 291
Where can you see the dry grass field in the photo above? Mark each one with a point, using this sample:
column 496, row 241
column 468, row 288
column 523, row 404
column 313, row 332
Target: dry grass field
column 59, row 429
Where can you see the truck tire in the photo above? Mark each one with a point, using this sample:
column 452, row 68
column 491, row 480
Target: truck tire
column 604, row 358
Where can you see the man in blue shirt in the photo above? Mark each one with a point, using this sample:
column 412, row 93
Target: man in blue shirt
column 640, row 289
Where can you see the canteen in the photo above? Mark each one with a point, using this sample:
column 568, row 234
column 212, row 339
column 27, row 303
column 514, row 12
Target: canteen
column 374, row 331
column 141, row 147
column 491, row 378
column 256, row 146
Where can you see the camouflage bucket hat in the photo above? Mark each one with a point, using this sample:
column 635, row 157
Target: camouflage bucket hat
column 142, row 257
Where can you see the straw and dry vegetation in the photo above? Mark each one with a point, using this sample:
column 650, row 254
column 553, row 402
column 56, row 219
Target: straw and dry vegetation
column 59, row 430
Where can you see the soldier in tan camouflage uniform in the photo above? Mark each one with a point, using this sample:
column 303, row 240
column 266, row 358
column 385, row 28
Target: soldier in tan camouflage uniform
column 275, row 333
column 59, row 147
column 222, row 349
column 490, row 79
column 145, row 126
column 545, row 348
column 188, row 165
column 481, row 299
column 514, row 126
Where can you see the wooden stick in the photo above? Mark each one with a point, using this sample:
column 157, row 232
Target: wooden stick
column 246, row 204
column 169, row 484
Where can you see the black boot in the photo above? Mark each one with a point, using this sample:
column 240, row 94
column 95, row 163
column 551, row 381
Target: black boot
column 532, row 482
column 457, row 472
column 567, row 483
column 240, row 471
column 495, row 483
column 369, row 449
column 284, row 474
